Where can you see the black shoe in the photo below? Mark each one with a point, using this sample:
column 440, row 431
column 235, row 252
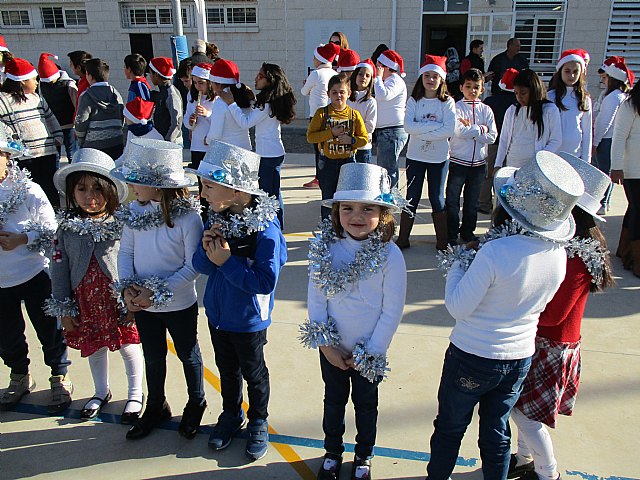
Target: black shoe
column 484, row 211
column 90, row 413
column 130, row 418
column 518, row 472
column 330, row 468
column 361, row 469
column 151, row 418
column 191, row 418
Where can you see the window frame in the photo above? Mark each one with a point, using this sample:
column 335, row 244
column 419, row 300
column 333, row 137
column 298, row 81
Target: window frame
column 226, row 8
column 19, row 11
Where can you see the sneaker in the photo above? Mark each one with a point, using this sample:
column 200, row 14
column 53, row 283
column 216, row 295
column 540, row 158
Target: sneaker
column 19, row 386
column 61, row 390
column 228, row 425
column 258, row 441
column 519, row 471
column 312, row 184
column 330, row 468
column 361, row 469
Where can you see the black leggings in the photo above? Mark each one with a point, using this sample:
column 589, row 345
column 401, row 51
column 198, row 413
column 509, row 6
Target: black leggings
column 42, row 170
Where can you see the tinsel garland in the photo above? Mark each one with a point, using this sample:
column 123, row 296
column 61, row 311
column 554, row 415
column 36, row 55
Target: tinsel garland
column 319, row 334
column 161, row 295
column 100, row 229
column 250, row 220
column 61, row 308
column 44, row 241
column 367, row 262
column 153, row 218
column 591, row 253
column 17, row 195
column 372, row 366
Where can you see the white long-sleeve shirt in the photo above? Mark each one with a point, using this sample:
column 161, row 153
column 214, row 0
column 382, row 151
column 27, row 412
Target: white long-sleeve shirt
column 268, row 139
column 370, row 309
column 224, row 128
column 369, row 113
column 316, row 86
column 625, row 143
column 430, row 123
column 577, row 126
column 163, row 252
column 497, row 301
column 469, row 144
column 391, row 97
column 201, row 127
column 603, row 123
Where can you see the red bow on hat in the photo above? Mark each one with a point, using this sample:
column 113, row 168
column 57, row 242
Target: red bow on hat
column 18, row 69
column 393, row 60
column 48, row 71
column 225, row 72
column 348, row 60
column 138, row 110
column 327, row 53
column 163, row 66
column 434, row 63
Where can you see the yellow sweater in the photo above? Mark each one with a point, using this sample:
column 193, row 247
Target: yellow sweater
column 319, row 131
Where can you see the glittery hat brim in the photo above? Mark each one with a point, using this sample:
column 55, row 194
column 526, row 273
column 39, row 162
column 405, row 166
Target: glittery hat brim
column 563, row 233
column 60, row 178
column 13, row 153
column 582, row 168
column 393, row 208
column 256, row 191
column 117, row 174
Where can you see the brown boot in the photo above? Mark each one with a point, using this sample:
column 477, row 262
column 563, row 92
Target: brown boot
column 623, row 243
column 440, row 226
column 635, row 254
column 406, row 224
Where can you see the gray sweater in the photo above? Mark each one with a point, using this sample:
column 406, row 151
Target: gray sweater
column 99, row 117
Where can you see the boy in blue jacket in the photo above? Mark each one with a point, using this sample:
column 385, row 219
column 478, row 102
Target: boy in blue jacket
column 242, row 251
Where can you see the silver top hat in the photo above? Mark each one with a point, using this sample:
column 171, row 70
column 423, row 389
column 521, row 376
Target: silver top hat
column 153, row 163
column 231, row 166
column 364, row 183
column 9, row 141
column 90, row 160
column 595, row 182
column 541, row 194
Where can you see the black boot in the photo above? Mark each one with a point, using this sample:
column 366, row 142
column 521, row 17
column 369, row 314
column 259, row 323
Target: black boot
column 440, row 226
column 406, row 224
column 191, row 418
column 153, row 416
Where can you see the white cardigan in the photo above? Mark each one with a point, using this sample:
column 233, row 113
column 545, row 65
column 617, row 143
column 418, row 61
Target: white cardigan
column 430, row 123
column 577, row 126
column 625, row 145
column 603, row 123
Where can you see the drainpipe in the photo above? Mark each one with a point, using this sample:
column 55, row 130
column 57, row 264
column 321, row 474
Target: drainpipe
column 394, row 16
column 177, row 18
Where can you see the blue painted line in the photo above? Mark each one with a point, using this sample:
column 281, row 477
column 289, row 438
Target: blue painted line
column 588, row 476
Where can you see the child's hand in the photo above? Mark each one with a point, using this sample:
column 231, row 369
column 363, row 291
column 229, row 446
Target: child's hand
column 337, row 130
column 11, row 240
column 227, row 97
column 69, row 324
column 474, row 244
column 218, row 250
column 143, row 300
column 335, row 357
column 345, row 139
column 129, row 294
column 617, row 176
column 464, row 121
column 192, row 119
column 380, row 71
column 200, row 110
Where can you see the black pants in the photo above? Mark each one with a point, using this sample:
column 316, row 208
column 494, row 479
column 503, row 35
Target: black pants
column 13, row 343
column 632, row 215
column 196, row 158
column 364, row 396
column 42, row 170
column 328, row 174
column 114, row 152
column 241, row 355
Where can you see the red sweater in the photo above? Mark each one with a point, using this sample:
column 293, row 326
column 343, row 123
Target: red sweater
column 562, row 317
column 83, row 84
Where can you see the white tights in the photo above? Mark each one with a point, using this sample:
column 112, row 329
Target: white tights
column 133, row 365
column 534, row 442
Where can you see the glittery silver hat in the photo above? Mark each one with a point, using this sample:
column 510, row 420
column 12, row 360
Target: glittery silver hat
column 9, row 143
column 153, row 163
column 90, row 160
column 595, row 182
column 541, row 194
column 231, row 166
column 365, row 183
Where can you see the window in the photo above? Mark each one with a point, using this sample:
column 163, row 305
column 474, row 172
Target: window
column 445, row 6
column 232, row 14
column 215, row 16
column 150, row 15
column 143, row 16
column 165, row 16
column 75, row 17
column 15, row 18
column 52, row 17
column 624, row 32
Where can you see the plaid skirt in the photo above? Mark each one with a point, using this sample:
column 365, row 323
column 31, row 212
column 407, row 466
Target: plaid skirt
column 551, row 385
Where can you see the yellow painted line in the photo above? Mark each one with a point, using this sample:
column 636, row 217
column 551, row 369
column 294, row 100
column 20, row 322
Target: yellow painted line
column 298, row 234
column 288, row 453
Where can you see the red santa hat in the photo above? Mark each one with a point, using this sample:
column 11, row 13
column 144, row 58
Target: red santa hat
column 585, row 55
column 48, row 71
column 393, row 60
column 506, row 82
column 620, row 71
column 225, row 72
column 434, row 63
column 348, row 60
column 3, row 44
column 163, row 66
column 138, row 110
column 326, row 53
column 609, row 61
column 572, row 56
column 202, row 70
column 368, row 63
column 18, row 69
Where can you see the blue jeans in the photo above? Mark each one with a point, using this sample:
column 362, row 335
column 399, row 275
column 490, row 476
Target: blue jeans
column 390, row 143
column 471, row 179
column 328, row 173
column 466, row 381
column 436, row 174
column 269, row 180
column 69, row 142
column 603, row 151
column 363, row 156
column 186, row 138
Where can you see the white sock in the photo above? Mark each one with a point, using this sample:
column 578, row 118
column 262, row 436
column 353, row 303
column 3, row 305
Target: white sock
column 134, row 366
column 538, row 443
column 99, row 365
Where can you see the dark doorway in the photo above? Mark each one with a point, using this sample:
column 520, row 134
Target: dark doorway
column 141, row 43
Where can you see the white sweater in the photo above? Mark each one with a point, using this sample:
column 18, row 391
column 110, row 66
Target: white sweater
column 20, row 264
column 625, row 145
column 163, row 252
column 369, row 113
column 370, row 309
column 391, row 97
column 225, row 129
column 201, row 127
column 577, row 126
column 268, row 140
column 497, row 301
column 316, row 86
column 603, row 123
column 430, row 123
column 469, row 144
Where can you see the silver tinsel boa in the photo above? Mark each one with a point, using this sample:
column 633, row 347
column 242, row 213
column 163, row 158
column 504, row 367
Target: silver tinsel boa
column 153, row 218
column 100, row 230
column 161, row 295
column 319, row 334
column 591, row 253
column 17, row 195
column 61, row 308
column 251, row 220
column 372, row 366
column 368, row 261
column 44, row 241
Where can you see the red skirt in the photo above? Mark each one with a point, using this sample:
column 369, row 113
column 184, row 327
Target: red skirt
column 99, row 315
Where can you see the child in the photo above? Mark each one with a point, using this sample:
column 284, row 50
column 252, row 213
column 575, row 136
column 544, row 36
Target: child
column 475, row 129
column 315, row 86
column 242, row 251
column 551, row 385
column 84, row 267
column 430, row 121
column 167, row 116
column 27, row 226
column 77, row 62
column 161, row 232
column 99, row 117
column 197, row 117
column 226, row 77
column 5, row 56
column 134, row 67
column 182, row 81
column 350, row 318
column 531, row 125
column 569, row 92
column 137, row 116
column 339, row 131
column 494, row 336
column 348, row 61
column 33, row 122
column 361, row 99
column 274, row 106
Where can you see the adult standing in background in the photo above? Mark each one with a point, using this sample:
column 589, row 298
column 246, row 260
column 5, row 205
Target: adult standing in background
column 340, row 39
column 199, row 52
column 510, row 58
column 475, row 60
